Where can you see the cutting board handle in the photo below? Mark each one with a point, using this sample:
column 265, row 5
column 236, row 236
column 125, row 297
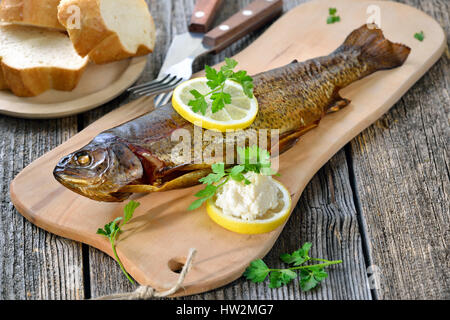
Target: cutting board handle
column 203, row 15
column 254, row 16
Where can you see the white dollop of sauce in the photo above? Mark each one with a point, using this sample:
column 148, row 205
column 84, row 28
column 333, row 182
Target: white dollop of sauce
column 248, row 202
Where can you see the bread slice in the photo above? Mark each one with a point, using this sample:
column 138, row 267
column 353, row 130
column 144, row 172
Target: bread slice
column 34, row 60
column 109, row 30
column 42, row 13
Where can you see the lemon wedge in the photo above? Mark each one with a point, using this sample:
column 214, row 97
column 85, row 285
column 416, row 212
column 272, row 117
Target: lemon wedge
column 240, row 114
column 269, row 222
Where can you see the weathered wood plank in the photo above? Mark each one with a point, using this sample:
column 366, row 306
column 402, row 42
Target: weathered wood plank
column 33, row 263
column 406, row 149
column 325, row 214
column 105, row 275
column 401, row 167
column 326, row 217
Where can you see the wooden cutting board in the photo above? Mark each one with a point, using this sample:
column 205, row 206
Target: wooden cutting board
column 159, row 237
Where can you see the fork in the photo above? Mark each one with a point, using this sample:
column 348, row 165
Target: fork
column 177, row 68
column 175, row 75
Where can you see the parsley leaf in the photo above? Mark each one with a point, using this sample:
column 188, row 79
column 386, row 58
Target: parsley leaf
column 256, row 160
column 219, row 100
column 280, row 278
column 218, row 167
column 246, row 82
column 253, row 159
column 237, row 174
column 228, row 68
column 197, row 204
column 297, row 257
column 199, row 104
column 419, row 36
column 215, row 78
column 319, row 274
column 307, row 280
column 208, row 192
column 218, row 173
column 332, row 18
column 212, row 178
column 129, row 210
column 257, row 271
column 310, row 278
column 111, row 231
column 216, row 82
column 205, row 194
column 310, row 275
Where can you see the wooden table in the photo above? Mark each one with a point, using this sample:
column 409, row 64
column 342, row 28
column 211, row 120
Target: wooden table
column 381, row 204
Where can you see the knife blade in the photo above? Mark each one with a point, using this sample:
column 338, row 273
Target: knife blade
column 202, row 18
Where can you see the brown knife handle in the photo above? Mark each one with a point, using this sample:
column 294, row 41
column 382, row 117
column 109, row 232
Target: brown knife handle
column 203, row 15
column 256, row 15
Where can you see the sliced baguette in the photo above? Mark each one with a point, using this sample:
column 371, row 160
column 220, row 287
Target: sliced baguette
column 109, row 30
column 34, row 60
column 41, row 13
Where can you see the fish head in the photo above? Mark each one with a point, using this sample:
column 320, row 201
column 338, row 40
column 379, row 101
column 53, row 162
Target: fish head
column 99, row 170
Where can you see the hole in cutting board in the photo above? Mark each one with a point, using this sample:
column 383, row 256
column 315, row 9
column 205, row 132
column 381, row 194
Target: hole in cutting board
column 176, row 264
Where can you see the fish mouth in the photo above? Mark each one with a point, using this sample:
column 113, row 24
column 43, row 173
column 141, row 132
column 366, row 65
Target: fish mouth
column 67, row 177
column 86, row 189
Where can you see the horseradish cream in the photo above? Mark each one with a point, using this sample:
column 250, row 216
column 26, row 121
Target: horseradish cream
column 248, row 202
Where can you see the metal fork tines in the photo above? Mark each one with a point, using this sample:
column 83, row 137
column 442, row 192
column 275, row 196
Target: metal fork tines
column 163, row 99
column 169, row 77
column 157, row 86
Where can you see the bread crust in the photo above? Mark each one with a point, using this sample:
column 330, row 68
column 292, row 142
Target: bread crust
column 31, row 82
column 93, row 38
column 42, row 13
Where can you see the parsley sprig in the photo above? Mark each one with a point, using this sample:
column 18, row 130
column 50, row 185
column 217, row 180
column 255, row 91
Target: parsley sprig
column 252, row 159
column 333, row 18
column 310, row 275
column 216, row 82
column 419, row 36
column 112, row 230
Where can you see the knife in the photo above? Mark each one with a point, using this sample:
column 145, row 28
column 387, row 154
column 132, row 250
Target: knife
column 185, row 48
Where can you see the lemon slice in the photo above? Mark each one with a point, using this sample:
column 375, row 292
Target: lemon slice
column 269, row 222
column 240, row 114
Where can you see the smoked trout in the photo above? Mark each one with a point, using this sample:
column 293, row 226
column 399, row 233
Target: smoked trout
column 136, row 156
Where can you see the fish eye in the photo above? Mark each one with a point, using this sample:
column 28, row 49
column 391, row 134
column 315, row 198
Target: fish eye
column 83, row 159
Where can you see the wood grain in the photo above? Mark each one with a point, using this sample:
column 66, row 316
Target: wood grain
column 318, row 201
column 311, row 201
column 401, row 169
column 326, row 217
column 171, row 18
column 27, row 276
column 232, row 252
column 34, row 264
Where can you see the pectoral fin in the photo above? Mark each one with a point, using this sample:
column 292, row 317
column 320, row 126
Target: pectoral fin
column 337, row 103
column 184, row 181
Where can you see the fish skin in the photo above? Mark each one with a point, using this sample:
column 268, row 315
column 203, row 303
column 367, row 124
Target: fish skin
column 293, row 98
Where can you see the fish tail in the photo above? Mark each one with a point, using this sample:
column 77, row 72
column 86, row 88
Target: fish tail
column 378, row 52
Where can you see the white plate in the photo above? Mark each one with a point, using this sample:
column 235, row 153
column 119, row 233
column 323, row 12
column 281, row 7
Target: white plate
column 98, row 85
